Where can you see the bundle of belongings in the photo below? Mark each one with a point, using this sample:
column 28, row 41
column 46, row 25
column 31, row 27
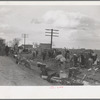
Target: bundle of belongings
column 46, row 72
column 60, row 58
column 70, row 77
column 62, row 77
column 23, row 61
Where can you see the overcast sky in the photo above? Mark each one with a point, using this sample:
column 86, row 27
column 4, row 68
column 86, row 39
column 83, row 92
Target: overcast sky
column 79, row 26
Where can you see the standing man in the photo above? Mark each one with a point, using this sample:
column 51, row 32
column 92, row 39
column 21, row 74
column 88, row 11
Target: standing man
column 7, row 50
column 44, row 54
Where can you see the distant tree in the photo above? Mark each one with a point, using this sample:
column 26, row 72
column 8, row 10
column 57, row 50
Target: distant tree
column 15, row 44
column 36, row 45
column 16, row 41
column 9, row 43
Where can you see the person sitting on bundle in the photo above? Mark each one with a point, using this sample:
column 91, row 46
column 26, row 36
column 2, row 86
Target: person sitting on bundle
column 61, row 60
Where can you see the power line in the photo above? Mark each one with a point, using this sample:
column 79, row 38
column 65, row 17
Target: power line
column 52, row 34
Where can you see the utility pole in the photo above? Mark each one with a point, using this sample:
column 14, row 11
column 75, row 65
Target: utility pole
column 24, row 36
column 52, row 33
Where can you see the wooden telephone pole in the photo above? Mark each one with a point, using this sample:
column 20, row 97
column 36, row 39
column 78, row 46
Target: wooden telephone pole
column 52, row 33
column 24, row 36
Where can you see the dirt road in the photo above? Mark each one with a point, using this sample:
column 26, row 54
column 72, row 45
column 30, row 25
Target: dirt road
column 12, row 74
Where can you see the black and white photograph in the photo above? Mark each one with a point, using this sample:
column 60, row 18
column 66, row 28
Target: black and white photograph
column 49, row 45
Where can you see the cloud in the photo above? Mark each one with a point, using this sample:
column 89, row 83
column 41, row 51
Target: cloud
column 36, row 21
column 78, row 29
column 62, row 19
column 67, row 20
column 77, row 26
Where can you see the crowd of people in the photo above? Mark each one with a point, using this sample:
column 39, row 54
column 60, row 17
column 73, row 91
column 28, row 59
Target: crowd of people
column 71, row 61
column 83, row 59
